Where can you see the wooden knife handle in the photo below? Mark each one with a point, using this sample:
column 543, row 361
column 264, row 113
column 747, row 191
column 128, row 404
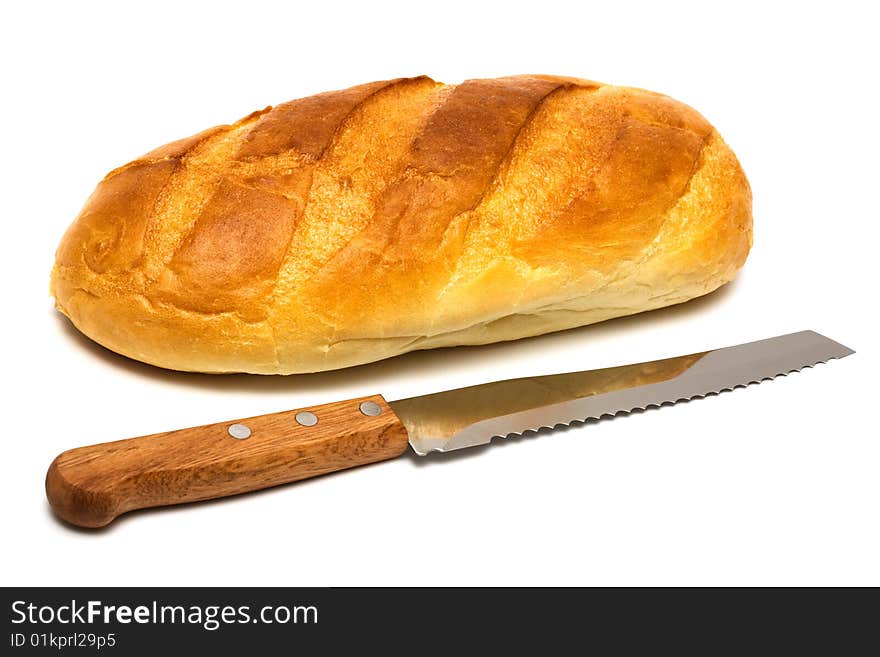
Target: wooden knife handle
column 90, row 486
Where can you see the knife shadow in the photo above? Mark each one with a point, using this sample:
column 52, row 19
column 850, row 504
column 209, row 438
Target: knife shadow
column 405, row 366
column 432, row 459
column 144, row 514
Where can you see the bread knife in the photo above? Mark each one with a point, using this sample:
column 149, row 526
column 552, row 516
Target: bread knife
column 90, row 486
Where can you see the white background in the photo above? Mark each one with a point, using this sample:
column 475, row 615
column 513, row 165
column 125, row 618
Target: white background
column 776, row 484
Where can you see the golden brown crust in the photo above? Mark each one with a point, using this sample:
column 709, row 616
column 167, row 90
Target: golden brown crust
column 359, row 224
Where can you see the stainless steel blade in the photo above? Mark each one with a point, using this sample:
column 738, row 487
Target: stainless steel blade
column 467, row 417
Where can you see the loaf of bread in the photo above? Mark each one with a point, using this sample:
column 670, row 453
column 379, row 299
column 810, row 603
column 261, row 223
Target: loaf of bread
column 360, row 224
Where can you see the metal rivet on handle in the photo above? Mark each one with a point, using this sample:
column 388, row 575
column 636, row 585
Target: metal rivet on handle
column 307, row 418
column 240, row 431
column 370, row 408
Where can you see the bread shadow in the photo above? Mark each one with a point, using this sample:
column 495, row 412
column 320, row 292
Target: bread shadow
column 405, row 366
column 411, row 365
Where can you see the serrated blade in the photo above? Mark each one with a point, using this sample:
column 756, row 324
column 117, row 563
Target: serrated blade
column 467, row 417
